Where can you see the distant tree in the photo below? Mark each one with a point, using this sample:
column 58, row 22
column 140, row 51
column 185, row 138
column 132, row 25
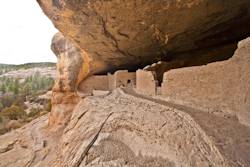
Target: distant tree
column 25, row 90
column 1, row 106
column 7, row 100
column 16, row 87
column 3, row 88
column 13, row 113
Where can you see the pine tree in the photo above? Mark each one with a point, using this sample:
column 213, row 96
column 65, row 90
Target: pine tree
column 16, row 87
column 3, row 88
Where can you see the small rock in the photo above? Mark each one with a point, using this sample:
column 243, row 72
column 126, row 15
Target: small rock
column 100, row 93
column 13, row 124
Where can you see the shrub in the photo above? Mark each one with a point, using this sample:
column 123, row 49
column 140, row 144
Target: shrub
column 34, row 112
column 1, row 106
column 7, row 100
column 13, row 124
column 13, row 113
column 3, row 131
column 48, row 106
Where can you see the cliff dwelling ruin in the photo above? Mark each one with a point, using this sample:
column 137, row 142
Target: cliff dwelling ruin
column 144, row 83
column 100, row 37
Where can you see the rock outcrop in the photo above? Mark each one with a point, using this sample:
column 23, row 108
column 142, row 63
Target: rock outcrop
column 120, row 129
column 118, row 34
column 70, row 72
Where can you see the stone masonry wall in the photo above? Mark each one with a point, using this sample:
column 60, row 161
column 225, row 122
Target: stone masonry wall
column 121, row 78
column 146, row 83
column 221, row 87
column 95, row 82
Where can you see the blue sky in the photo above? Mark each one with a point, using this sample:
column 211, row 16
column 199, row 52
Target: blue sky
column 25, row 33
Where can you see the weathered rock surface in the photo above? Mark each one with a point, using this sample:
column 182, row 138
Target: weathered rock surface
column 124, row 130
column 222, row 87
column 71, row 70
column 127, row 34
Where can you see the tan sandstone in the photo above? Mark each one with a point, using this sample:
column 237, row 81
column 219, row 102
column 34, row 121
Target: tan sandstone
column 70, row 71
column 146, row 82
column 121, row 129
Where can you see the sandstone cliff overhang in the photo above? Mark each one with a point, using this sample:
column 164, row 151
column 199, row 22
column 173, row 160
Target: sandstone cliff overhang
column 120, row 34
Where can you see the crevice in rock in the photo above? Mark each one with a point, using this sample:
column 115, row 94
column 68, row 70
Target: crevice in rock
column 8, row 147
column 78, row 119
column 85, row 152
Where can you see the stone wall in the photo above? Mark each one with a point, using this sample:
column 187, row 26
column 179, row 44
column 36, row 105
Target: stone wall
column 121, row 78
column 111, row 80
column 146, row 82
column 221, row 87
column 95, row 82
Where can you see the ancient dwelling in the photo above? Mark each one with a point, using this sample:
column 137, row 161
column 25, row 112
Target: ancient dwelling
column 95, row 82
column 146, row 82
column 121, row 78
column 109, row 82
column 107, row 36
column 200, row 87
column 222, row 87
column 180, row 117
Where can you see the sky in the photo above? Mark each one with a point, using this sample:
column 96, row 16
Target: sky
column 25, row 33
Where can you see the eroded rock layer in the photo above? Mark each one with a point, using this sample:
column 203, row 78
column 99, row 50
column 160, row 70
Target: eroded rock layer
column 129, row 34
column 70, row 71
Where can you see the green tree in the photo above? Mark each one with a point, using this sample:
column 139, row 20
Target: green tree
column 3, row 88
column 16, row 87
column 1, row 106
column 13, row 113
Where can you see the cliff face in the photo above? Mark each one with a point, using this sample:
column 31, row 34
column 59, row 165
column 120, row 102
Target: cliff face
column 134, row 33
column 118, row 34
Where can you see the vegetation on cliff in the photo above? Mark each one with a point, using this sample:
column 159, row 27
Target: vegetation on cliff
column 4, row 68
column 16, row 94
